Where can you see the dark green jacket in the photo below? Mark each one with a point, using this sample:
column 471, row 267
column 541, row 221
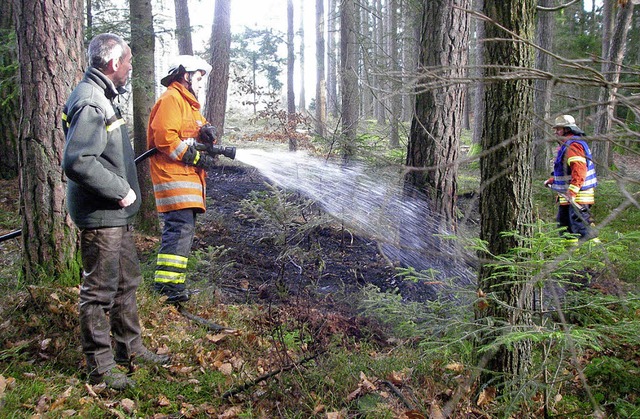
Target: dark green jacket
column 98, row 157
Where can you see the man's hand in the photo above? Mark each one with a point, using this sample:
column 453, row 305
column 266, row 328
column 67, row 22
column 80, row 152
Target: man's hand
column 128, row 200
column 571, row 195
column 208, row 134
column 548, row 182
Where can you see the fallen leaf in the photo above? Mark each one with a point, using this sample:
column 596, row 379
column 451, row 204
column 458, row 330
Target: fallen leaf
column 455, row 367
column 163, row 401
column 44, row 344
column 217, row 338
column 231, row 413
column 355, row 393
column 226, row 368
column 486, row 396
column 557, row 397
column 397, row 378
column 128, row 405
column 413, row 414
column 319, row 409
column 334, row 415
column 435, row 412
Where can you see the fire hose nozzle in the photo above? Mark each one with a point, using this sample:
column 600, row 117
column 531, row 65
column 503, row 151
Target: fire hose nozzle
column 229, row 152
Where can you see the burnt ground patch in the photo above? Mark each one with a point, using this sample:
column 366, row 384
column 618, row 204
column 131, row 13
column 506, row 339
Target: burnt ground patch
column 329, row 262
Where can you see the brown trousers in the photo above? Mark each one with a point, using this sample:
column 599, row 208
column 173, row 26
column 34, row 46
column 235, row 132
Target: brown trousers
column 108, row 308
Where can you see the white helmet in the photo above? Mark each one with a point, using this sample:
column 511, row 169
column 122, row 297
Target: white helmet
column 185, row 64
column 564, row 121
column 567, row 121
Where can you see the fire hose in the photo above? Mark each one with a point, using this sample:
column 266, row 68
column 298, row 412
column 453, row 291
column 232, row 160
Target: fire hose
column 212, row 149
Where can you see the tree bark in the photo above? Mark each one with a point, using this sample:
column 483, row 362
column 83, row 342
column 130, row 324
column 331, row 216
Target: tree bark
column 332, row 65
column 505, row 198
column 183, row 28
column 394, row 139
column 349, row 78
column 51, row 55
column 545, row 30
column 9, row 92
column 478, row 104
column 291, row 99
column 607, row 98
column 218, row 83
column 436, row 126
column 143, row 76
column 303, row 97
column 321, row 98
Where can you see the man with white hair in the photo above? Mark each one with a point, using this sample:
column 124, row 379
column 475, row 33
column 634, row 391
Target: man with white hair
column 102, row 198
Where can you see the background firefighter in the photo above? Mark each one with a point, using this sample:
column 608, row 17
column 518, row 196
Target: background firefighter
column 179, row 132
column 574, row 178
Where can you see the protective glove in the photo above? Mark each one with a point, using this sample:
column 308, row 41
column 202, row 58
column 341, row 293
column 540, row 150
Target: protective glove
column 548, row 182
column 571, row 195
column 208, row 134
column 193, row 157
column 205, row 162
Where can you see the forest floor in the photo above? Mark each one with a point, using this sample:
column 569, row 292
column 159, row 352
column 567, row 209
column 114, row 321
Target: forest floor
column 299, row 270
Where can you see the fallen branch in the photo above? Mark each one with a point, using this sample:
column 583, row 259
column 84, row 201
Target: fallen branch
column 399, row 395
column 200, row 320
column 249, row 384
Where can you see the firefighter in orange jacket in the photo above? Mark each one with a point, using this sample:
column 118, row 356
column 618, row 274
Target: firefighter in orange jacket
column 177, row 129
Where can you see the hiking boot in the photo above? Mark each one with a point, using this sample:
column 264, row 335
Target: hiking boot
column 114, row 379
column 144, row 356
column 174, row 293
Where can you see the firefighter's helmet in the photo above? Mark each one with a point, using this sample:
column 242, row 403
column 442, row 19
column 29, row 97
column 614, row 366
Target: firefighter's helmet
column 184, row 64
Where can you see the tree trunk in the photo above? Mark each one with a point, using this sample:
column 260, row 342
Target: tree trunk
column 51, row 55
column 436, row 127
column 545, row 30
column 607, row 98
column 478, row 104
column 394, row 139
column 381, row 60
column 218, row 83
column 505, row 198
column 332, row 65
column 349, row 78
column 183, row 28
column 291, row 99
column 9, row 92
column 303, row 99
column 142, row 48
column 321, row 98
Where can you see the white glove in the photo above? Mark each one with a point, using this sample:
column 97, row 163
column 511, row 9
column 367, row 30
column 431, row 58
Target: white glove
column 128, row 200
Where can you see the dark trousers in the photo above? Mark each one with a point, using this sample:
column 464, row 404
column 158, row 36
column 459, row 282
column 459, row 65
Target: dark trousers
column 108, row 307
column 177, row 237
column 576, row 221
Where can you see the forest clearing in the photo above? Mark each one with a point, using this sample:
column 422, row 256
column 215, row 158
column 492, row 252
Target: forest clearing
column 445, row 227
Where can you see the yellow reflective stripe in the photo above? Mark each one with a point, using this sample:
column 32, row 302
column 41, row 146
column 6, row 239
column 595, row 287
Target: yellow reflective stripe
column 175, row 261
column 197, row 158
column 117, row 124
column 170, row 277
column 574, row 188
column 576, row 159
